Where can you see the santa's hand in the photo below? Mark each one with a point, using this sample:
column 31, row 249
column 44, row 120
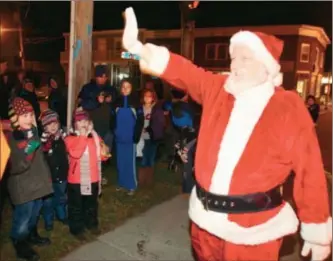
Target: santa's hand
column 318, row 252
column 153, row 59
column 131, row 42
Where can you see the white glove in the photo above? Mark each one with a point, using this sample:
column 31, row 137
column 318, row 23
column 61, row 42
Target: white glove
column 131, row 42
column 318, row 252
column 153, row 59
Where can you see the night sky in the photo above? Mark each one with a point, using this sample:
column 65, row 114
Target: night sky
column 52, row 18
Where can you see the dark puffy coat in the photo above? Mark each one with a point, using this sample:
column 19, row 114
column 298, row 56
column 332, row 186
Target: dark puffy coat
column 57, row 160
column 28, row 179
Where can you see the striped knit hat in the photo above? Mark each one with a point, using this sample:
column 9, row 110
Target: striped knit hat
column 80, row 114
column 17, row 108
column 48, row 116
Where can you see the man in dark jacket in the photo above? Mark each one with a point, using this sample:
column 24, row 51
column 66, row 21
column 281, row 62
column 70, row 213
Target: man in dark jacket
column 93, row 98
column 29, row 180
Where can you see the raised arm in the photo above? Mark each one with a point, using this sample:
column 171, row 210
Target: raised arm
column 175, row 69
column 76, row 145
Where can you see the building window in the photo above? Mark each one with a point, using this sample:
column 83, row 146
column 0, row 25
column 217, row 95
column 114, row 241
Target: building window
column 101, row 44
column 216, row 52
column 305, row 53
column 117, row 46
column 321, row 60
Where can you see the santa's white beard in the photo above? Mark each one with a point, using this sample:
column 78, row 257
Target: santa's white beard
column 237, row 87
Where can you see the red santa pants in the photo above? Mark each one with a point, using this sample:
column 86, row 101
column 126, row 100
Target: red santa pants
column 210, row 248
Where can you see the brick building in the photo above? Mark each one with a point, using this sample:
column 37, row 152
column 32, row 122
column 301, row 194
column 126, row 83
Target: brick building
column 302, row 59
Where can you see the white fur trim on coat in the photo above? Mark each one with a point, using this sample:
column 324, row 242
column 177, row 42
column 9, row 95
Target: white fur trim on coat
column 320, row 234
column 255, row 43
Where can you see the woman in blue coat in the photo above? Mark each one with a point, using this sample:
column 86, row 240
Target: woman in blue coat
column 127, row 130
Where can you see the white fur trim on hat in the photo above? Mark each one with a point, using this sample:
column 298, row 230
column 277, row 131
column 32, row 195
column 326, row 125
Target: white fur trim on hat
column 255, row 43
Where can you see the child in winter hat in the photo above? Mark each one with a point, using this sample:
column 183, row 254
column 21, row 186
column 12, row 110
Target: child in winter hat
column 86, row 152
column 56, row 156
column 29, row 180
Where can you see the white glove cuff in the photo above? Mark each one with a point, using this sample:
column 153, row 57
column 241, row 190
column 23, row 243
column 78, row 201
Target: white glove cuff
column 157, row 58
column 136, row 48
column 317, row 233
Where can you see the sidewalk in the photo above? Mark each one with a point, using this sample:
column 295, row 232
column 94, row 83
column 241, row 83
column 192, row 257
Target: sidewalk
column 159, row 234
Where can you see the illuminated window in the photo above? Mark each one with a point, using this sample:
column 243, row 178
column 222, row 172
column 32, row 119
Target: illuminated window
column 305, row 53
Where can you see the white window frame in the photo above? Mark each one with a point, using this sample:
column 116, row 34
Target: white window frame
column 303, row 46
column 216, row 46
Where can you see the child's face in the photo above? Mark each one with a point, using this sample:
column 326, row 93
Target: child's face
column 100, row 98
column 148, row 98
column 52, row 128
column 29, row 87
column 126, row 89
column 82, row 124
column 310, row 101
column 26, row 120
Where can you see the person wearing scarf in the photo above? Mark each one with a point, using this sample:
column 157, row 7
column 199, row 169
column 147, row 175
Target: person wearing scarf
column 86, row 152
column 29, row 180
column 56, row 156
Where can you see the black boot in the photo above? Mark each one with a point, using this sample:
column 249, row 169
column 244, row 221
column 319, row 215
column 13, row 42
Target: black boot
column 24, row 251
column 36, row 239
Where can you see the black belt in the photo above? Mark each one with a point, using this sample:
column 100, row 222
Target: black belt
column 239, row 204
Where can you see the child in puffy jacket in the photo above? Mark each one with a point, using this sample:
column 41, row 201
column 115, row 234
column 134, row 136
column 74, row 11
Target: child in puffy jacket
column 56, row 156
column 86, row 152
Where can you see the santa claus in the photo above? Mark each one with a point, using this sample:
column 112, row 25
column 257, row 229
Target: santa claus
column 252, row 134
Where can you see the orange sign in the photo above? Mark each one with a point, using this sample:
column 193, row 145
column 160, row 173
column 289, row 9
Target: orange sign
column 4, row 152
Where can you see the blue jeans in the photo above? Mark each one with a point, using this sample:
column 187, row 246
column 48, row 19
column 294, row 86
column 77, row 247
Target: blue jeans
column 149, row 153
column 55, row 204
column 25, row 218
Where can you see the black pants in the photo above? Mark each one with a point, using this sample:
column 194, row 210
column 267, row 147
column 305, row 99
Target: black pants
column 82, row 210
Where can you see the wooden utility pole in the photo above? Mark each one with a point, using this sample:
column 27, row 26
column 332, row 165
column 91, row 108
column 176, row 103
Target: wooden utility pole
column 187, row 28
column 80, row 57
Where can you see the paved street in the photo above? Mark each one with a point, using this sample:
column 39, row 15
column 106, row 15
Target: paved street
column 162, row 232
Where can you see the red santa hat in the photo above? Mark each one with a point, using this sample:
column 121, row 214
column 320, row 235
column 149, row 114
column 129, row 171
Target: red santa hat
column 267, row 48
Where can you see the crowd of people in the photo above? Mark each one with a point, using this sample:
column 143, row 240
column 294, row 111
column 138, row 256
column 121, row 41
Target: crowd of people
column 253, row 134
column 56, row 173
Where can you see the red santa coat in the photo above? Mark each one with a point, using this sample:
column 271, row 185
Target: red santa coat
column 250, row 144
